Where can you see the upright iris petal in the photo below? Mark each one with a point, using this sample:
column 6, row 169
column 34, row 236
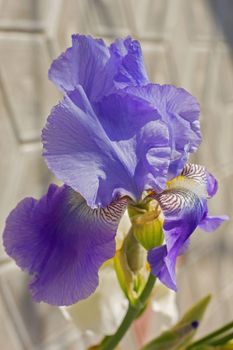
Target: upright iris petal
column 180, row 111
column 130, row 68
column 120, row 135
column 184, row 206
column 97, row 68
column 83, row 64
column 62, row 243
column 122, row 148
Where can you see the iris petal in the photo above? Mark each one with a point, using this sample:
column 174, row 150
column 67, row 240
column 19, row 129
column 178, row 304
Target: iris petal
column 136, row 129
column 83, row 64
column 202, row 176
column 184, row 205
column 97, row 68
column 79, row 152
column 98, row 156
column 211, row 223
column 183, row 211
column 131, row 70
column 62, row 243
column 180, row 111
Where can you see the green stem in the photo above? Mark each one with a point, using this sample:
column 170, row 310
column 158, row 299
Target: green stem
column 210, row 336
column 110, row 342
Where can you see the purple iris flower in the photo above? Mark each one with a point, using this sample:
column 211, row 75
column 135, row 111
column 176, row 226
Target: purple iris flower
column 114, row 137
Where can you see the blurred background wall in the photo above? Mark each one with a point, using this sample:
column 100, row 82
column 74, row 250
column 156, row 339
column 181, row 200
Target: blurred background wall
column 185, row 42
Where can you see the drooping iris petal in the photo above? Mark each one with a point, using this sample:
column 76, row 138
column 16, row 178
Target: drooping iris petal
column 100, row 157
column 211, row 223
column 97, row 68
column 202, row 176
column 206, row 181
column 184, row 205
column 183, row 210
column 62, row 243
column 180, row 111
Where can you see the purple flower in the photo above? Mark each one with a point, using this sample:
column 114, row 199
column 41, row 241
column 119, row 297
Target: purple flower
column 112, row 137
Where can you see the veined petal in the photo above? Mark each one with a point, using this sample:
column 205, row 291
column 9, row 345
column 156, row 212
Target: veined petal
column 98, row 69
column 62, row 243
column 183, row 211
column 101, row 157
column 79, row 152
column 180, row 111
column 202, row 176
column 177, row 205
column 184, row 205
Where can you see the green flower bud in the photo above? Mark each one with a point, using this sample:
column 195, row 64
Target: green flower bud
column 131, row 267
column 147, row 225
column 136, row 255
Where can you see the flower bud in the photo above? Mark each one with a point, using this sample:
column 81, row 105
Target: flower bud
column 136, row 255
column 147, row 225
column 131, row 267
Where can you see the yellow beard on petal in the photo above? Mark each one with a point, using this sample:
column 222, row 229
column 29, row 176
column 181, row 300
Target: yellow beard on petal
column 192, row 185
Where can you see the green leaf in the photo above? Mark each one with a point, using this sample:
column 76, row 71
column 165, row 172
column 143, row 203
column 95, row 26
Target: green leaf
column 220, row 337
column 196, row 312
column 180, row 335
column 228, row 346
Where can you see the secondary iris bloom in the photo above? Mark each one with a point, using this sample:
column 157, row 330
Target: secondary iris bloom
column 114, row 140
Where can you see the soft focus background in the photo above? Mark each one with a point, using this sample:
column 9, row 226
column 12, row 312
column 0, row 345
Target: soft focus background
column 185, row 42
